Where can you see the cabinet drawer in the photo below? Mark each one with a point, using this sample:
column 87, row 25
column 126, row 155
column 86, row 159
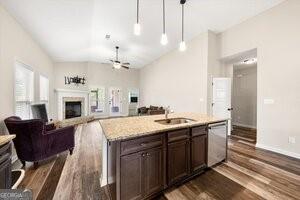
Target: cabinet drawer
column 5, row 149
column 177, row 135
column 200, row 130
column 135, row 145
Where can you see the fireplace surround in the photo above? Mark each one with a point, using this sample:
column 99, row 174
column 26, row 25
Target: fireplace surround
column 71, row 99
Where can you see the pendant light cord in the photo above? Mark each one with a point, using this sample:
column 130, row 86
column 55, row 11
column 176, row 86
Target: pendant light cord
column 182, row 22
column 117, row 54
column 137, row 11
column 164, row 17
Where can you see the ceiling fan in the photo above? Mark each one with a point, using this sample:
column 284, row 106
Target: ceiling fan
column 116, row 63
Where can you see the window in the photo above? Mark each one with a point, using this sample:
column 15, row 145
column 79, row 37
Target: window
column 24, row 90
column 44, row 89
column 97, row 100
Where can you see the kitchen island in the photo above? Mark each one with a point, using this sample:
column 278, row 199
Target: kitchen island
column 146, row 155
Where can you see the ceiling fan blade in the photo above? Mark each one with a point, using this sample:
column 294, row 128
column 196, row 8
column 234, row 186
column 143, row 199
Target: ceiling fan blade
column 127, row 63
column 125, row 67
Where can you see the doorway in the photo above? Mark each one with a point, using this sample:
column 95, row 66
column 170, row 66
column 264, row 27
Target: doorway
column 244, row 100
column 115, row 101
column 241, row 69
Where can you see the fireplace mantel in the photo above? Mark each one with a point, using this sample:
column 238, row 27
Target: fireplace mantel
column 71, row 91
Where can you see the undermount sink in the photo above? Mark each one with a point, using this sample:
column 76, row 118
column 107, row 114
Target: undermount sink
column 174, row 121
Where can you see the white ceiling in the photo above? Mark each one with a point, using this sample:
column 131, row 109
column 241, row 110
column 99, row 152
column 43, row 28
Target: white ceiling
column 74, row 30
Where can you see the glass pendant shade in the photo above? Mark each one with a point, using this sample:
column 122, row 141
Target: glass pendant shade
column 182, row 46
column 164, row 39
column 137, row 29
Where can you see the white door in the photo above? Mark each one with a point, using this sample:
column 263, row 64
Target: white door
column 222, row 99
column 115, row 101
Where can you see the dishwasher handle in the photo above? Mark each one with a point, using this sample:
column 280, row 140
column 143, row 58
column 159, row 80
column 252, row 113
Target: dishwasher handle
column 216, row 125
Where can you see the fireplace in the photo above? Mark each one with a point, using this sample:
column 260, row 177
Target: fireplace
column 72, row 109
column 68, row 97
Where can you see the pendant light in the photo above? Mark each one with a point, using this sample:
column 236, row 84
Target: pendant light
column 164, row 37
column 137, row 26
column 182, row 46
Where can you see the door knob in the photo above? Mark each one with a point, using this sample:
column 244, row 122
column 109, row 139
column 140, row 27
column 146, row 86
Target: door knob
column 230, row 109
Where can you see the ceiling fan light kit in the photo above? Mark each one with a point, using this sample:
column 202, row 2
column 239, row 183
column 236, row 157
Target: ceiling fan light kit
column 116, row 63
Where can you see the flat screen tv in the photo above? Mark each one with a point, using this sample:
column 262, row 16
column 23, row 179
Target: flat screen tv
column 133, row 99
column 39, row 111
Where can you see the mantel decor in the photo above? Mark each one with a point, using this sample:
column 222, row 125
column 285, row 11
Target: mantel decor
column 76, row 80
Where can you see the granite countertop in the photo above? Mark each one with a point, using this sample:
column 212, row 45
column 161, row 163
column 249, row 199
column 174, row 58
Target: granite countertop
column 130, row 127
column 6, row 138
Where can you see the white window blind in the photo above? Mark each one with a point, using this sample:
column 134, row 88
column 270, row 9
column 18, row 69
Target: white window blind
column 44, row 89
column 24, row 90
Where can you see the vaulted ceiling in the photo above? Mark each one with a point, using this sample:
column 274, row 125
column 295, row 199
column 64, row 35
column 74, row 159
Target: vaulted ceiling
column 75, row 30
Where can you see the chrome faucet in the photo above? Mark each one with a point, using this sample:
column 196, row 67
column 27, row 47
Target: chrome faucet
column 167, row 112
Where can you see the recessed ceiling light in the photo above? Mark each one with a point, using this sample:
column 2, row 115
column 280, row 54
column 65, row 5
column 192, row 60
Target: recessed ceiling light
column 107, row 36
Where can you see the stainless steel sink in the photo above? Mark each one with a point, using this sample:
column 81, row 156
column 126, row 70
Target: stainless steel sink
column 174, row 121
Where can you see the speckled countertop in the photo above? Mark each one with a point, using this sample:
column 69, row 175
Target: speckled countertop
column 130, row 127
column 6, row 138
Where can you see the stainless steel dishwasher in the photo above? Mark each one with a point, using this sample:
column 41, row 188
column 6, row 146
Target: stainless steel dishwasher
column 217, row 143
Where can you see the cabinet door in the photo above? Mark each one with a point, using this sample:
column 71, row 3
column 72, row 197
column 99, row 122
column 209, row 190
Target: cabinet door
column 178, row 160
column 154, row 169
column 199, row 152
column 132, row 176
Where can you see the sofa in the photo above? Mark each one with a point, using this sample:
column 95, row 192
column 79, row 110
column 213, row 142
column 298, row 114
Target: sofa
column 152, row 110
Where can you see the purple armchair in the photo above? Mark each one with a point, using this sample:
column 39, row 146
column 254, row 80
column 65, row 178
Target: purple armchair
column 36, row 141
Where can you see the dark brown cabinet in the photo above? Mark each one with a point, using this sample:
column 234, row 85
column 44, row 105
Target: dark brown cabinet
column 154, row 171
column 5, row 166
column 132, row 176
column 145, row 166
column 178, row 155
column 198, row 152
column 198, row 148
column 142, row 174
column 178, row 160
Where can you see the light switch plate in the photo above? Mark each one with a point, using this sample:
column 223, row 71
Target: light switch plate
column 292, row 140
column 269, row 101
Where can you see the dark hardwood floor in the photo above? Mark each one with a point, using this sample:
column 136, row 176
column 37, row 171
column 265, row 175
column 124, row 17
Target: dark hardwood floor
column 250, row 173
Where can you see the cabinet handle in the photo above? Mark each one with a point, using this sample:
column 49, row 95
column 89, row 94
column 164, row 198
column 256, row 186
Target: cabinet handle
column 148, row 154
column 143, row 144
column 143, row 155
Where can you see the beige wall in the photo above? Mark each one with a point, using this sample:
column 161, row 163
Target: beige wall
column 275, row 34
column 180, row 79
column 16, row 44
column 244, row 97
column 98, row 75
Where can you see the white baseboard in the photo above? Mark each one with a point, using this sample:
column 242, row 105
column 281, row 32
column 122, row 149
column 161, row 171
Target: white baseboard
column 280, row 151
column 243, row 125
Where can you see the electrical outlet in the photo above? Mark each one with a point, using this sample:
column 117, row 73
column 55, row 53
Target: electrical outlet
column 292, row 140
